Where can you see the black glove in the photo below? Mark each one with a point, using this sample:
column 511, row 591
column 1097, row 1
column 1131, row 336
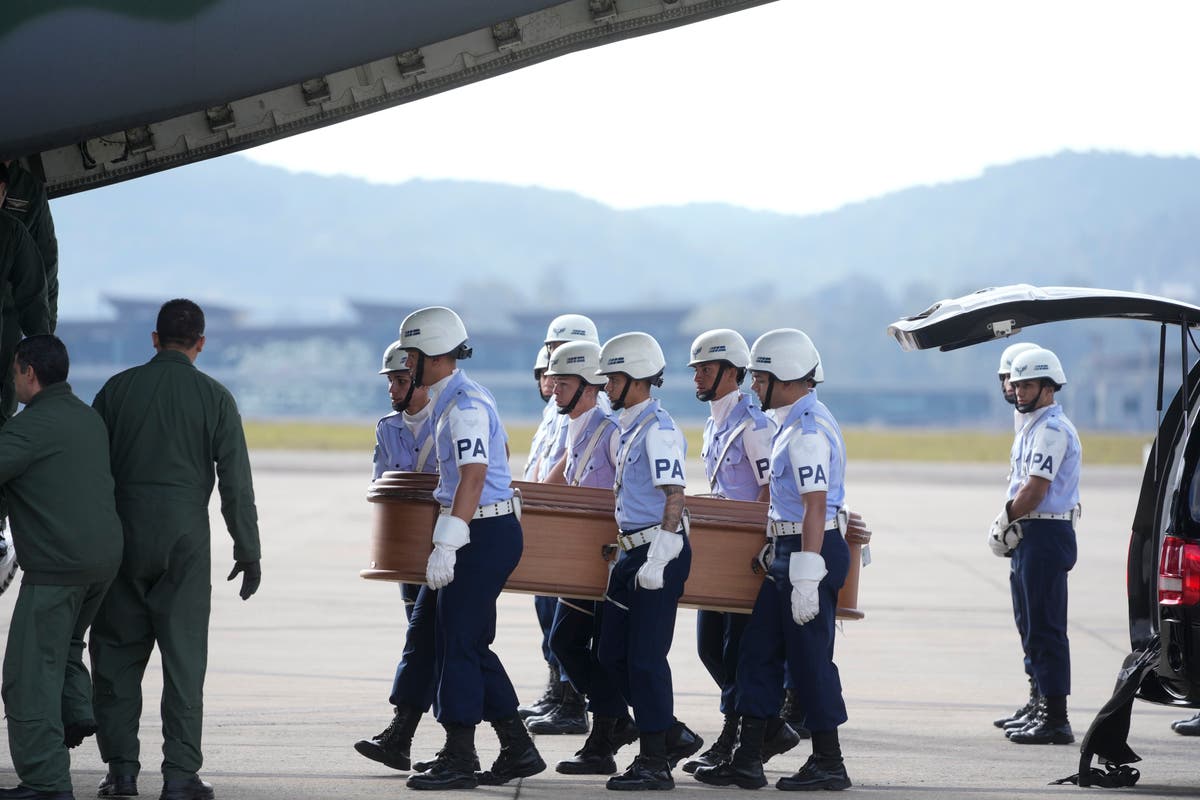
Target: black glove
column 251, row 577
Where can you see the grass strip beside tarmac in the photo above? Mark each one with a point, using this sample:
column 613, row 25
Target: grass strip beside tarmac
column 871, row 444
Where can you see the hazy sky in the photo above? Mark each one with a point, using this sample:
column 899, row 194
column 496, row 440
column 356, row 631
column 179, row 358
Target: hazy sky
column 800, row 106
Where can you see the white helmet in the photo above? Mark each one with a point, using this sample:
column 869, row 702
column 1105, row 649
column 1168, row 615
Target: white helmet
column 435, row 331
column 572, row 328
column 786, row 353
column 578, row 358
column 394, row 359
column 636, row 354
column 541, row 362
column 1011, row 352
column 1037, row 363
column 721, row 344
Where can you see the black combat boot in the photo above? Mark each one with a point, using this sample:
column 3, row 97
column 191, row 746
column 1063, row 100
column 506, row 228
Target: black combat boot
column 793, row 716
column 650, row 770
column 568, row 717
column 721, row 749
column 117, row 786
column 1022, row 713
column 745, row 768
column 779, row 737
column 1187, row 727
column 549, row 699
column 392, row 746
column 682, row 742
column 1029, row 720
column 824, row 768
column 596, row 755
column 453, row 768
column 1051, row 728
column 518, row 757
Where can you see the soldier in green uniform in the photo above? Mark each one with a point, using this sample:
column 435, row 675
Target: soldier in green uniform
column 54, row 467
column 168, row 425
column 23, row 300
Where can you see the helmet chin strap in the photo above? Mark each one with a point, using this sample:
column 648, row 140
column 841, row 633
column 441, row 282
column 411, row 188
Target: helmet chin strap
column 569, row 407
column 766, row 402
column 1032, row 405
column 418, row 375
column 619, row 402
column 710, row 393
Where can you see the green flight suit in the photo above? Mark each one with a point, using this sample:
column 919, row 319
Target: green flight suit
column 168, row 425
column 23, row 304
column 54, row 467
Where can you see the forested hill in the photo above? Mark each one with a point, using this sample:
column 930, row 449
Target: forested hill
column 283, row 245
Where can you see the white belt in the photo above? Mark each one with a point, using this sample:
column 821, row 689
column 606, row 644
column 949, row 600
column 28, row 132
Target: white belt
column 628, row 541
column 778, row 528
column 509, row 506
column 1071, row 515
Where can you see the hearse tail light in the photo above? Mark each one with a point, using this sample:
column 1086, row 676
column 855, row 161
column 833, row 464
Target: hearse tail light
column 1179, row 573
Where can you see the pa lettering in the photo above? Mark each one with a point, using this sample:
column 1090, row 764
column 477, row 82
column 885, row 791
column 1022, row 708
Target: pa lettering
column 471, row 447
column 669, row 466
column 762, row 465
column 815, row 474
column 1043, row 463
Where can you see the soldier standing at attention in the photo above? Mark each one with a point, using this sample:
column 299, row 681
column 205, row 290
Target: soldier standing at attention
column 173, row 432
column 1027, row 712
column 477, row 542
column 54, row 468
column 1037, row 526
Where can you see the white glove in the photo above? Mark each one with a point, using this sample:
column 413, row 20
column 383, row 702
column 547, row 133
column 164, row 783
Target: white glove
column 449, row 534
column 1004, row 536
column 805, row 571
column 665, row 547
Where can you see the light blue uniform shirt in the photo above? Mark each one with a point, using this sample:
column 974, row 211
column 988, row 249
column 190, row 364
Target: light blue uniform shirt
column 538, row 445
column 554, row 446
column 1050, row 449
column 650, row 454
column 746, row 461
column 396, row 448
column 599, row 471
column 468, row 431
column 808, row 454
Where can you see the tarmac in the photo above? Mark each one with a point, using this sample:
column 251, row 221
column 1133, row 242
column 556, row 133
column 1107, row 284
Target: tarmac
column 302, row 670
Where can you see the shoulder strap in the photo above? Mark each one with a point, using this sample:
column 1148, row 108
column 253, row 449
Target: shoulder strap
column 591, row 447
column 737, row 432
column 623, row 461
column 426, row 449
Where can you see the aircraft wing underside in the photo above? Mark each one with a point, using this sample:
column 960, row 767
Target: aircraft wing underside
column 101, row 91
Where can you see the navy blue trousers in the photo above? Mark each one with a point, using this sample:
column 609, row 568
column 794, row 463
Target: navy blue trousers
column 772, row 638
column 571, row 640
column 1019, row 615
column 409, row 592
column 545, row 608
column 718, row 640
column 1041, row 563
column 414, row 683
column 472, row 685
column 636, row 629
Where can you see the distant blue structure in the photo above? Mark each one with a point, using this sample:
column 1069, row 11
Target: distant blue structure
column 328, row 372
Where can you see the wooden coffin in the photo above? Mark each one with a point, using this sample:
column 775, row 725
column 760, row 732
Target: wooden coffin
column 568, row 532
